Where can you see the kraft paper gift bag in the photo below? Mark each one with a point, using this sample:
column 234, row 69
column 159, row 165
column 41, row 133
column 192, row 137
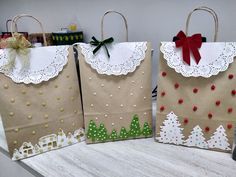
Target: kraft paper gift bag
column 197, row 91
column 40, row 100
column 117, row 89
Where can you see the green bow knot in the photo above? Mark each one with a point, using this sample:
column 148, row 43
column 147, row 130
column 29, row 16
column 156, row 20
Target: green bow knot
column 99, row 44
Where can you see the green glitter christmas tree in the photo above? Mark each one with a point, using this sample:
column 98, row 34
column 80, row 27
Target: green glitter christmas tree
column 135, row 129
column 102, row 133
column 123, row 133
column 113, row 136
column 92, row 131
column 146, row 130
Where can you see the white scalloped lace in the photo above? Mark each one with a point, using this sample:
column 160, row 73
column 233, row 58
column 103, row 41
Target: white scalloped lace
column 50, row 61
column 125, row 57
column 216, row 58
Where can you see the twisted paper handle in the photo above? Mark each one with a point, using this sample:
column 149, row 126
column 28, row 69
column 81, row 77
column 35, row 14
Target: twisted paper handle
column 125, row 21
column 209, row 10
column 17, row 17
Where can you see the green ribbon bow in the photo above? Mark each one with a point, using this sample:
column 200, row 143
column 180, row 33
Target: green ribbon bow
column 17, row 45
column 99, row 44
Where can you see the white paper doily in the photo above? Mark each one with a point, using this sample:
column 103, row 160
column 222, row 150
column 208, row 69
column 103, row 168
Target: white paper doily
column 215, row 58
column 124, row 57
column 45, row 63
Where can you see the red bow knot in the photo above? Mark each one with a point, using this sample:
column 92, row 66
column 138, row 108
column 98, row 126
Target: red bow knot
column 189, row 44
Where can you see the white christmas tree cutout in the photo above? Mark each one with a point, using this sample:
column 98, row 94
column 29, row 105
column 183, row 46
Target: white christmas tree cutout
column 171, row 131
column 196, row 138
column 219, row 140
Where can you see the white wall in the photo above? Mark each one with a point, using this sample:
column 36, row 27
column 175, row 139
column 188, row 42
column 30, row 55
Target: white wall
column 151, row 20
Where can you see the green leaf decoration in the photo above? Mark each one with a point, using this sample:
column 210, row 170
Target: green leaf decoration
column 102, row 133
column 113, row 135
column 123, row 133
column 92, row 131
column 66, row 38
column 60, row 38
column 77, row 37
column 135, row 129
column 71, row 38
column 147, row 131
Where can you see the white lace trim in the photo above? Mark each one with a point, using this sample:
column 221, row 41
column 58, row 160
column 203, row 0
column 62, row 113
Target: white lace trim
column 124, row 57
column 45, row 64
column 48, row 143
column 215, row 58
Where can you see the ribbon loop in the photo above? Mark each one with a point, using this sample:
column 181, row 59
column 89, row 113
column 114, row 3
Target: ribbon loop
column 189, row 45
column 99, row 44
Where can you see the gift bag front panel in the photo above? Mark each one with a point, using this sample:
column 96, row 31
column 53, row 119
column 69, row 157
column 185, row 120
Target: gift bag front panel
column 114, row 102
column 199, row 110
column 41, row 117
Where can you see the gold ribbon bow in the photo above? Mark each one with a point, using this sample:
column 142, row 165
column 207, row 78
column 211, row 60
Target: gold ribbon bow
column 17, row 45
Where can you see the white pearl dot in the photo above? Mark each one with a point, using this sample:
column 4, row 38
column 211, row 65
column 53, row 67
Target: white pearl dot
column 112, row 124
column 134, row 105
column 143, row 72
column 121, row 105
column 133, row 81
column 107, row 105
column 118, row 87
column 131, row 94
column 94, row 93
column 102, row 85
column 96, row 118
column 144, row 98
column 121, row 118
column 145, row 113
column 111, row 95
column 90, row 78
column 105, row 115
column 91, row 105
column 141, row 87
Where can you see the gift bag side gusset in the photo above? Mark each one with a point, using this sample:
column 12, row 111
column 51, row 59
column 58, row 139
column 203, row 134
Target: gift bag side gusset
column 117, row 107
column 42, row 117
column 201, row 110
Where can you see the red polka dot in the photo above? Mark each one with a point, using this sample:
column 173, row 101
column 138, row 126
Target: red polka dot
column 210, row 115
column 207, row 129
column 163, row 74
column 231, row 76
column 230, row 110
column 185, row 120
column 229, row 126
column 176, row 85
column 233, row 92
column 163, row 94
column 218, row 103
column 195, row 90
column 213, row 87
column 162, row 108
column 194, row 108
column 180, row 101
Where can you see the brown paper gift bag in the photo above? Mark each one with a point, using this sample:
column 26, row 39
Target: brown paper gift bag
column 196, row 103
column 40, row 102
column 117, row 90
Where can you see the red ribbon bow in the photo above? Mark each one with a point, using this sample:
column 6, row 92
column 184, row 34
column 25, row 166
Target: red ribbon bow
column 189, row 44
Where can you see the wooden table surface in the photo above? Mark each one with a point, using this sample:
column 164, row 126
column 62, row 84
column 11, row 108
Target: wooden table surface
column 133, row 158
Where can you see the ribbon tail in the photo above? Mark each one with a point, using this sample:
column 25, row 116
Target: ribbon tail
column 196, row 54
column 97, row 48
column 24, row 58
column 186, row 54
column 11, row 59
column 107, row 51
